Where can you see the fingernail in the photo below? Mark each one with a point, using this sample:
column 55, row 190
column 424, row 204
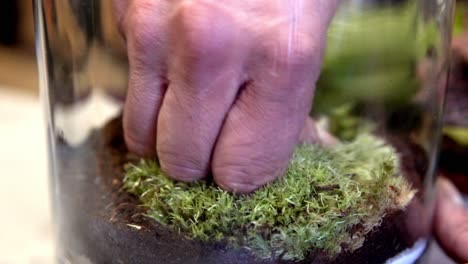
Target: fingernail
column 449, row 192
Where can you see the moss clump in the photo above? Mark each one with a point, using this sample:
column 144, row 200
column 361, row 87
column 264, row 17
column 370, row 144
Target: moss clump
column 328, row 200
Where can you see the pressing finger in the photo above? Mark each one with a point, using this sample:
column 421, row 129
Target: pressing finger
column 451, row 221
column 145, row 47
column 264, row 124
column 205, row 74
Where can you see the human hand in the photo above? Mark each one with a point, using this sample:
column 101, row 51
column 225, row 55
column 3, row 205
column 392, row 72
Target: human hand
column 222, row 86
column 451, row 218
column 451, row 221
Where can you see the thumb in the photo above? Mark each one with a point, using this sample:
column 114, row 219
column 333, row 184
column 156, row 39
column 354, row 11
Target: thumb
column 314, row 133
column 451, row 221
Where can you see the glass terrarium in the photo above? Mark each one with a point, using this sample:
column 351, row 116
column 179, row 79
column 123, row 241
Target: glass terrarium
column 354, row 147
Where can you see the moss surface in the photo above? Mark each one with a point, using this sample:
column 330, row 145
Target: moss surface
column 328, row 200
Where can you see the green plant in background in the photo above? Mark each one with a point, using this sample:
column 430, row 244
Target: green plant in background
column 459, row 18
column 372, row 55
column 458, row 129
column 371, row 62
column 346, row 125
column 458, row 133
column 328, row 199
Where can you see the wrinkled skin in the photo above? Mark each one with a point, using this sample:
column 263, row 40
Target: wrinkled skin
column 221, row 86
column 451, row 217
column 451, row 221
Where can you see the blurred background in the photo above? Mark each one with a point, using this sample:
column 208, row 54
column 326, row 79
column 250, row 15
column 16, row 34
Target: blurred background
column 17, row 54
column 25, row 222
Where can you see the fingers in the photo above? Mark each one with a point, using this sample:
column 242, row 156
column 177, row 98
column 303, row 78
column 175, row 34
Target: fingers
column 313, row 133
column 201, row 117
column 145, row 49
column 451, row 221
column 204, row 80
column 263, row 125
column 119, row 8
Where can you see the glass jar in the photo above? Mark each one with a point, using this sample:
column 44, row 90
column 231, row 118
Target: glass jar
column 358, row 187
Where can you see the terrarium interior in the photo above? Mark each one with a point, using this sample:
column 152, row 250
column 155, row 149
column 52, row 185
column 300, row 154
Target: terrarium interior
column 365, row 198
column 330, row 198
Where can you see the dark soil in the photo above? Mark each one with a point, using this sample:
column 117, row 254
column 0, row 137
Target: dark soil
column 101, row 223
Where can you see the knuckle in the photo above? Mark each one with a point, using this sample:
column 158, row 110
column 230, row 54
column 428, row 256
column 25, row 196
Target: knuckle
column 139, row 135
column 196, row 21
column 119, row 9
column 142, row 26
column 459, row 237
column 180, row 167
column 288, row 50
column 242, row 176
column 136, row 145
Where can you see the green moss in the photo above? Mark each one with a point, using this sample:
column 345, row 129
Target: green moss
column 323, row 195
column 457, row 133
